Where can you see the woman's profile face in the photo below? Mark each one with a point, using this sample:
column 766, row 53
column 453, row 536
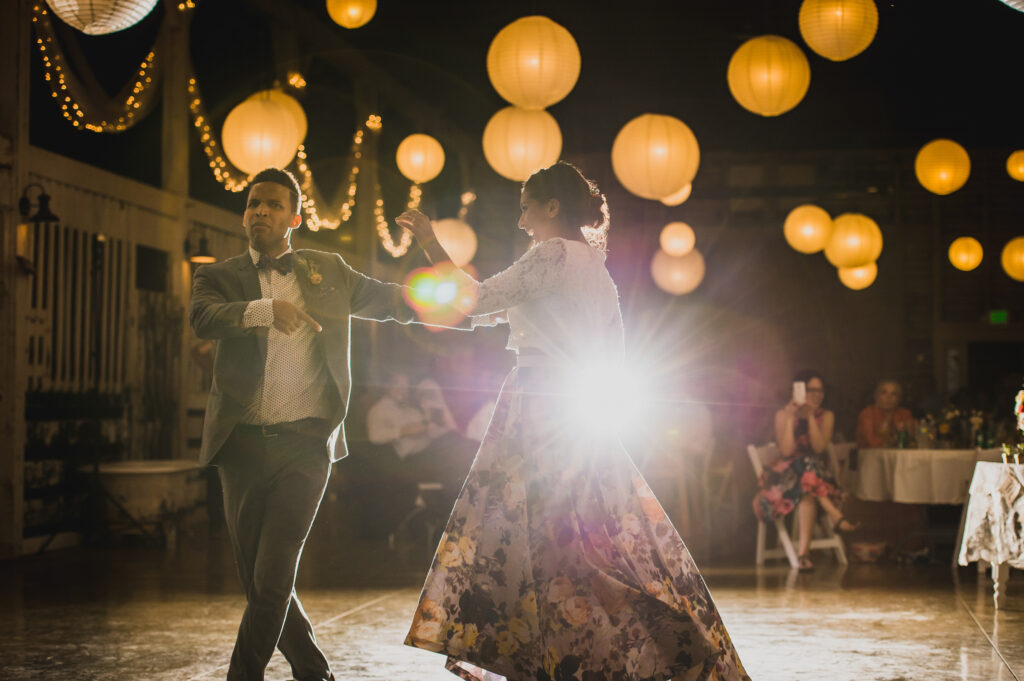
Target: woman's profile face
column 815, row 392
column 887, row 396
column 539, row 219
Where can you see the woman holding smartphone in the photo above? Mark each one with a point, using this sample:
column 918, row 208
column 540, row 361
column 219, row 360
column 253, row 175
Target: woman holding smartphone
column 801, row 479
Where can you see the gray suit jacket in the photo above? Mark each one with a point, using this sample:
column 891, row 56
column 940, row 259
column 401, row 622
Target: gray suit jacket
column 220, row 293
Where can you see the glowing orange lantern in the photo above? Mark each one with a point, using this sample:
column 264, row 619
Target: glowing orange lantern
column 965, row 253
column 654, row 155
column 942, row 166
column 678, row 275
column 1015, row 165
column 351, row 13
column 292, row 104
column 420, row 158
column 457, row 238
column 807, row 228
column 856, row 241
column 769, row 75
column 838, row 29
column 533, row 62
column 678, row 198
column 1013, row 258
column 519, row 142
column 858, row 278
column 677, row 239
column 260, row 133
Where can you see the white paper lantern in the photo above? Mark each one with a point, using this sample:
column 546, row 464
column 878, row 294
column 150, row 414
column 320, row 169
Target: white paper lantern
column 260, row 133
column 351, row 13
column 519, row 142
column 769, row 75
column 1016, row 4
column 678, row 198
column 858, row 278
column 293, row 106
column 533, row 62
column 677, row 239
column 654, row 155
column 457, row 238
column 97, row 17
column 678, row 275
column 420, row 158
column 838, row 29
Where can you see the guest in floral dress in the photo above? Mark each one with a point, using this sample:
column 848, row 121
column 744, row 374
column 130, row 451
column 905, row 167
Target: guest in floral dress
column 802, row 477
column 557, row 561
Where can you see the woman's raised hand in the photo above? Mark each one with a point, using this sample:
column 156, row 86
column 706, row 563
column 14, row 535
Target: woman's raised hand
column 417, row 223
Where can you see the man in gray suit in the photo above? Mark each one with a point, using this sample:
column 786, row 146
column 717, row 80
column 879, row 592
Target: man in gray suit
column 280, row 319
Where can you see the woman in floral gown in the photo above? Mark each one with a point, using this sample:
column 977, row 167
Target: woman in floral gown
column 802, row 477
column 557, row 561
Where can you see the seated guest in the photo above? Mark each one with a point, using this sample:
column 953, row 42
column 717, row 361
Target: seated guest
column 428, row 446
column 430, row 399
column 879, row 424
column 802, row 478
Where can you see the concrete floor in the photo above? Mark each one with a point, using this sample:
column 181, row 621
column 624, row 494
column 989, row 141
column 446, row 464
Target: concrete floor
column 149, row 614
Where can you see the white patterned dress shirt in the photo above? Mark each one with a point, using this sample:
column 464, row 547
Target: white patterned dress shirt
column 296, row 379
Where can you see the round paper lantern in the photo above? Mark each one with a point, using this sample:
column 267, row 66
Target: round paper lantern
column 769, row 75
column 260, row 133
column 679, row 197
column 678, row 275
column 457, row 238
column 1013, row 258
column 533, row 62
column 677, row 239
column 858, row 278
column 1015, row 164
column 519, row 142
column 942, row 166
column 654, row 155
column 293, row 106
column 838, row 29
column 97, row 17
column 965, row 253
column 351, row 13
column 807, row 228
column 1016, row 4
column 420, row 158
column 856, row 241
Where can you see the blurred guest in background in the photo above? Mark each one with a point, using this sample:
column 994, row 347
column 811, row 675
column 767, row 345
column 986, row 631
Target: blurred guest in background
column 802, row 477
column 885, row 423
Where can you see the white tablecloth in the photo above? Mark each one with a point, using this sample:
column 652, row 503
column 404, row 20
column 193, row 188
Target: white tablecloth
column 991, row 527
column 918, row 476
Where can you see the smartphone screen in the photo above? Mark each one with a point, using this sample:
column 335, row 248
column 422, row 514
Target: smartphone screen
column 799, row 392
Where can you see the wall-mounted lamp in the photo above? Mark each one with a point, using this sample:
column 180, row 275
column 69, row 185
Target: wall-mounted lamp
column 202, row 255
column 27, row 228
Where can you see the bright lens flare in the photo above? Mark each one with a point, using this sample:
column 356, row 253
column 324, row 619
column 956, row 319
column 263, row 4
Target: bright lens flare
column 607, row 397
column 431, row 291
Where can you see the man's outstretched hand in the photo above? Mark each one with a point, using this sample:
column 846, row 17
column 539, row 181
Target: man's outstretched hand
column 288, row 319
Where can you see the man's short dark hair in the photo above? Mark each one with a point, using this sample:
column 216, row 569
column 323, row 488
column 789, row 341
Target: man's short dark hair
column 283, row 178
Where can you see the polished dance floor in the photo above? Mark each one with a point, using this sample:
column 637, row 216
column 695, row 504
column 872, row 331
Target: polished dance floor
column 145, row 613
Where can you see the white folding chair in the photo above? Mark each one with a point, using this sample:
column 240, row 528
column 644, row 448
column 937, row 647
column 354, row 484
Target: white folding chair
column 759, row 458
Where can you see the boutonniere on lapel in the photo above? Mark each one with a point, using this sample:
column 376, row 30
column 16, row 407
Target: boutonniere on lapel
column 314, row 275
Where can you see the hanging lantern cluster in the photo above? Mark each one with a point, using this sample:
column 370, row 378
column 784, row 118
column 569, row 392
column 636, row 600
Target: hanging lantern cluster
column 678, row 267
column 807, row 228
column 655, row 156
column 532, row 63
column 769, row 75
column 351, row 13
column 838, row 29
column 99, row 17
column 856, row 241
column 942, row 166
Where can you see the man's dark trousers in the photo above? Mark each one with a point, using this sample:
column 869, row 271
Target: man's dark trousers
column 273, row 480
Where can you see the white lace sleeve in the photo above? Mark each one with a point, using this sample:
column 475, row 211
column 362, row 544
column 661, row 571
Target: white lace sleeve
column 539, row 272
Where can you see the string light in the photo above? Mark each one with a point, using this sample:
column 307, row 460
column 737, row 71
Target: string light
column 396, row 250
column 70, row 94
column 415, row 195
column 232, row 179
column 296, row 80
column 186, row 5
column 467, row 200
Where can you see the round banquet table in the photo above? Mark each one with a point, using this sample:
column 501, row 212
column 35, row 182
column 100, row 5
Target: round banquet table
column 918, row 476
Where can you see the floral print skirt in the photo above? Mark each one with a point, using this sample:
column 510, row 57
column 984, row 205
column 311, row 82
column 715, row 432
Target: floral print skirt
column 558, row 563
column 787, row 480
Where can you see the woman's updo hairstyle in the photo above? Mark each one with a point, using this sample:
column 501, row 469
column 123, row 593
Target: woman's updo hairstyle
column 580, row 202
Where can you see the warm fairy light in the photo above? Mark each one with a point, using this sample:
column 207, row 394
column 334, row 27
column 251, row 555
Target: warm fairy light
column 186, row 5
column 415, row 195
column 533, row 62
column 838, row 29
column 63, row 87
column 965, row 253
column 373, row 122
column 654, row 155
column 232, row 180
column 467, row 200
column 296, row 80
column 856, row 241
column 807, row 228
column 942, row 166
column 396, row 250
column 769, row 75
column 99, row 17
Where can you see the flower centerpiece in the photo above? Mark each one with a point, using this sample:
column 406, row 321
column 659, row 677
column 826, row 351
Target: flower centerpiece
column 1018, row 413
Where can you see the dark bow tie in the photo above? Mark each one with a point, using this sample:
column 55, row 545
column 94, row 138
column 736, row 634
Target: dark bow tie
column 282, row 264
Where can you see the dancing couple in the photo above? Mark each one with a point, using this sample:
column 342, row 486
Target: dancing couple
column 557, row 561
